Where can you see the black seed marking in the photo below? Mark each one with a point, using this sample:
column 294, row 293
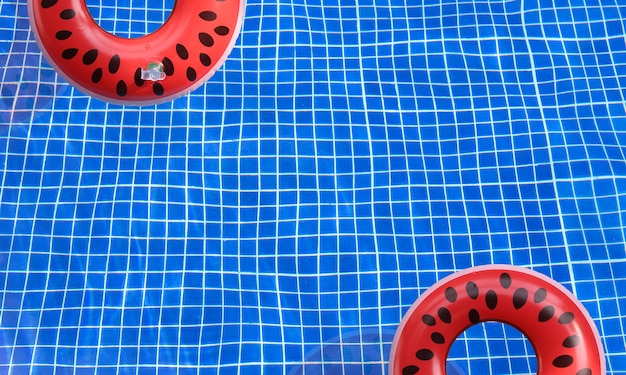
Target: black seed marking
column 546, row 313
column 492, row 299
column 206, row 39
column 563, row 361
column 182, row 52
column 168, row 66
column 205, row 59
column 138, row 81
column 191, row 74
column 121, row 88
column 505, row 280
column 90, row 56
column 48, row 3
column 437, row 338
column 63, row 34
column 474, row 317
column 519, row 298
column 97, row 75
column 67, row 14
column 566, row 318
column 472, row 290
column 572, row 341
column 444, row 315
column 424, row 354
column 451, row 294
column 157, row 88
column 540, row 295
column 585, row 371
column 429, row 320
column 69, row 53
column 410, row 370
column 114, row 64
column 222, row 30
column 207, row 15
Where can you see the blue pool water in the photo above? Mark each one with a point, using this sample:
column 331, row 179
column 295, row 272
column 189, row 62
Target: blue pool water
column 284, row 216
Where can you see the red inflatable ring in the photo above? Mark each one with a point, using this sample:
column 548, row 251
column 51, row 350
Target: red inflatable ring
column 559, row 328
column 177, row 58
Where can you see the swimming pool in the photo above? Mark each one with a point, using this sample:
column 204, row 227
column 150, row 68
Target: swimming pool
column 284, row 216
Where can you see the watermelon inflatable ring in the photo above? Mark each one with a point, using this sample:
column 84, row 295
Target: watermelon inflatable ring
column 170, row 62
column 559, row 328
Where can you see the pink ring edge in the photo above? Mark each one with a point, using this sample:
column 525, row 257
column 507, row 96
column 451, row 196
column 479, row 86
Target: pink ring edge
column 496, row 267
column 85, row 90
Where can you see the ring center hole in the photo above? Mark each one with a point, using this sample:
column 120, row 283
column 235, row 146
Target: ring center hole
column 491, row 348
column 130, row 18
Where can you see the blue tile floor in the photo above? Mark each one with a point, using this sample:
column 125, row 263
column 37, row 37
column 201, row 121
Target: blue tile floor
column 284, row 216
